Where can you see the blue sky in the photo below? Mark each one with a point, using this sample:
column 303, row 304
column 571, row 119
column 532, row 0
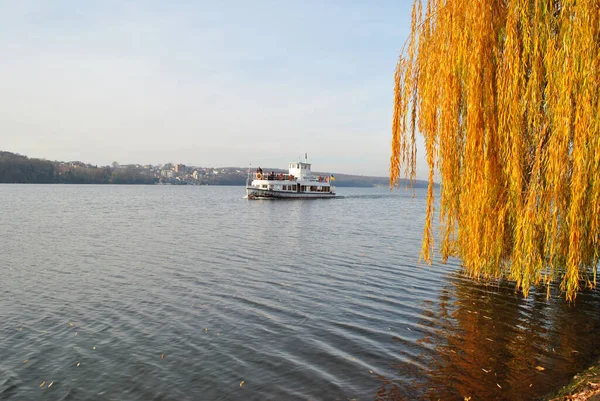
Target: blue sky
column 206, row 83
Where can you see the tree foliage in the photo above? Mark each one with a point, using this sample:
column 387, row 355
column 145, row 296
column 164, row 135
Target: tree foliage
column 18, row 169
column 506, row 96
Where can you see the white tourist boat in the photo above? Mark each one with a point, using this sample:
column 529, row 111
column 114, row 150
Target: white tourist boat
column 298, row 183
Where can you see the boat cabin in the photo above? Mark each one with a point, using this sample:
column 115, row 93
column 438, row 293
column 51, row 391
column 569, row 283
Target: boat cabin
column 300, row 170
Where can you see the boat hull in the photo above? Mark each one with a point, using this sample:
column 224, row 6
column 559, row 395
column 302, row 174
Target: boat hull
column 258, row 193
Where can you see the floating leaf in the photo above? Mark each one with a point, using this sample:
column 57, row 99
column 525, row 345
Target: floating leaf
column 162, row 356
column 50, row 385
column 540, row 368
column 42, row 385
column 241, row 383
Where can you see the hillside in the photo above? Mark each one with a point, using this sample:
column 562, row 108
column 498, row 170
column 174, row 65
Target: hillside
column 15, row 168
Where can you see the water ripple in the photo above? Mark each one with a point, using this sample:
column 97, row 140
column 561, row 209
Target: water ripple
column 175, row 293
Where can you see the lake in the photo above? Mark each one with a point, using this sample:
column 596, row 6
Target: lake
column 194, row 293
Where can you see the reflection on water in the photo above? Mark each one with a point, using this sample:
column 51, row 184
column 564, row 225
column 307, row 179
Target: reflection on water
column 487, row 342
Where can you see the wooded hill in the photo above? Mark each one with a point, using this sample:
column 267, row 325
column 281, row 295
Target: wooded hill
column 15, row 168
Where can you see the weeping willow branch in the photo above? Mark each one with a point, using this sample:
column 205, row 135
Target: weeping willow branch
column 506, row 94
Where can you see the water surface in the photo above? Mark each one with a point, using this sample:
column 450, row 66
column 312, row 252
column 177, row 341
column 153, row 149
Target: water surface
column 188, row 293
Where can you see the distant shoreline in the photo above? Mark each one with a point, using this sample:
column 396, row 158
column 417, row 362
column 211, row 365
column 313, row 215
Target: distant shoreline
column 19, row 169
column 408, row 186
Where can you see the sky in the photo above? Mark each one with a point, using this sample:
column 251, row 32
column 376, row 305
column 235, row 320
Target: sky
column 226, row 83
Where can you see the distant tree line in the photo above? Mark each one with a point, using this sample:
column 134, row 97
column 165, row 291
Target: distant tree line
column 15, row 168
column 18, row 169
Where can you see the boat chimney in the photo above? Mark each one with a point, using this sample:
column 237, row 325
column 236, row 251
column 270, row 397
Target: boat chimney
column 306, row 158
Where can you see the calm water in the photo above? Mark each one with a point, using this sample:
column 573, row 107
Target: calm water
column 259, row 300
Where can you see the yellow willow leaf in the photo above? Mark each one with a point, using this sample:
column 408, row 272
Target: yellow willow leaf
column 507, row 98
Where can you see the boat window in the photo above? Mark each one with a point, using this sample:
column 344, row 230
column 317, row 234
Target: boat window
column 264, row 185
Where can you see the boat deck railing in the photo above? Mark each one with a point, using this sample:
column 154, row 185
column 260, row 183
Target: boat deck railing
column 289, row 177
